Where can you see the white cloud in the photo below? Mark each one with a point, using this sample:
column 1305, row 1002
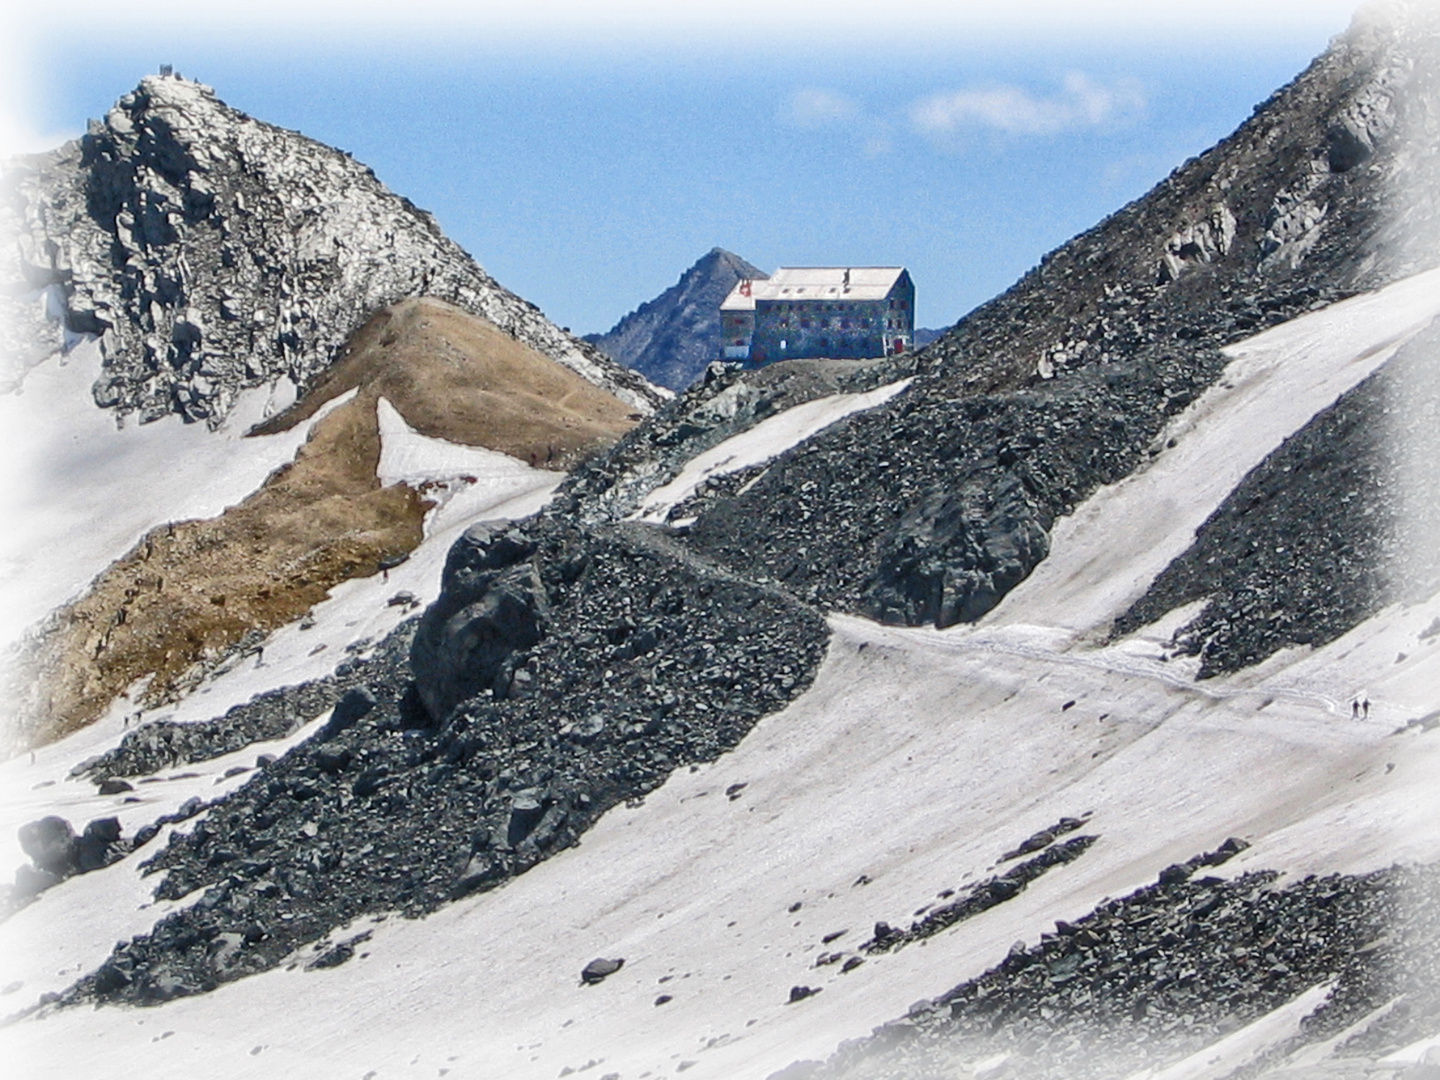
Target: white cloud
column 1081, row 103
column 815, row 107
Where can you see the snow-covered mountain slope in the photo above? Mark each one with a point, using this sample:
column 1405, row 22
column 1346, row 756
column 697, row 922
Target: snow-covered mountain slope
column 916, row 760
column 672, row 338
column 1271, row 387
column 211, row 252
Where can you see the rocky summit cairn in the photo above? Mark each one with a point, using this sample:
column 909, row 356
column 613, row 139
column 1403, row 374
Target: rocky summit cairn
column 210, row 252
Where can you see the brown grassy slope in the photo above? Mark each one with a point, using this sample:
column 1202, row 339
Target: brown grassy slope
column 454, row 376
column 191, row 591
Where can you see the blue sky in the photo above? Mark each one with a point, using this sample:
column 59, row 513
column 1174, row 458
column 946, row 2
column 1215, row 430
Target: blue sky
column 587, row 155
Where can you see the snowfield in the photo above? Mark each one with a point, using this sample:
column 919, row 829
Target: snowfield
column 76, row 492
column 1105, row 555
column 916, row 759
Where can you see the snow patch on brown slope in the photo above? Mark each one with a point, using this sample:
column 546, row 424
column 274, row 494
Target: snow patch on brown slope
column 189, row 593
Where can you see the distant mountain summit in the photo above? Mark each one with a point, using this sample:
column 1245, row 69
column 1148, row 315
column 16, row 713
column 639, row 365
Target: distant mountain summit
column 670, row 339
column 210, row 252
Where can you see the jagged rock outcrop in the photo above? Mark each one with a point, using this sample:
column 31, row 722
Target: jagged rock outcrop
column 672, row 338
column 211, row 252
column 492, row 605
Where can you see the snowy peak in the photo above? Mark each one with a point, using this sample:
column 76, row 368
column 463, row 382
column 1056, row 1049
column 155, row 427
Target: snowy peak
column 211, row 252
column 671, row 338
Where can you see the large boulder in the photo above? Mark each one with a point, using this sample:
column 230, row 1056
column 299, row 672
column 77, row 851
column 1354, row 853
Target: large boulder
column 355, row 704
column 98, row 846
column 491, row 606
column 957, row 553
column 483, row 548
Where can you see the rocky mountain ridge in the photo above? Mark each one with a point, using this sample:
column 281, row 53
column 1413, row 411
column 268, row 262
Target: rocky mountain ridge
column 671, row 338
column 211, row 252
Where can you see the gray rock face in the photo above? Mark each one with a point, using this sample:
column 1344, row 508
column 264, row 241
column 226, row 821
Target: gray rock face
column 956, row 554
column 492, row 606
column 457, row 657
column 211, row 252
column 672, row 338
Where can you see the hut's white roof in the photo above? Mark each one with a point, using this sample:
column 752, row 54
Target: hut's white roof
column 816, row 283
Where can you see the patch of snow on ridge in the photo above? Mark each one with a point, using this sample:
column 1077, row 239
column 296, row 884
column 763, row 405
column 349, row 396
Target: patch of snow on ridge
column 441, row 467
column 1105, row 555
column 767, row 439
column 1426, row 1050
column 76, row 492
column 118, row 902
column 1242, row 1047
